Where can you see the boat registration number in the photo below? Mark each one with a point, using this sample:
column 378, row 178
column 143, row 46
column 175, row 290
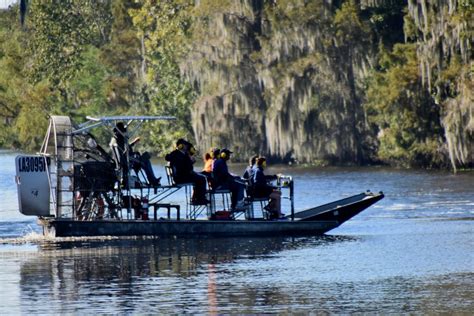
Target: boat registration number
column 32, row 164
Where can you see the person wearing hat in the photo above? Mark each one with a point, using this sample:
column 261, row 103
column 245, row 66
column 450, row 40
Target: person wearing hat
column 223, row 179
column 125, row 156
column 181, row 161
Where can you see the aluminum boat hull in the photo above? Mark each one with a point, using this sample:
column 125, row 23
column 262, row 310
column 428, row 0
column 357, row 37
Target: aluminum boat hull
column 316, row 221
column 218, row 228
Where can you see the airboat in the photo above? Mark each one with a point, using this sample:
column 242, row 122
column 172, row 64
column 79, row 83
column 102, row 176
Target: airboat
column 76, row 188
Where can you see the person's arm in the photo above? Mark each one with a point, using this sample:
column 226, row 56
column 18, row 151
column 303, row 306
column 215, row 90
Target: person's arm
column 271, row 177
column 136, row 140
column 258, row 178
column 246, row 175
column 169, row 156
column 225, row 170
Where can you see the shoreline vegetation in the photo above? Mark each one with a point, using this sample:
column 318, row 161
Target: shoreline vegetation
column 351, row 83
column 281, row 165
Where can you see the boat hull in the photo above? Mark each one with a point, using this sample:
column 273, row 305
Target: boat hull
column 341, row 210
column 315, row 221
column 220, row 228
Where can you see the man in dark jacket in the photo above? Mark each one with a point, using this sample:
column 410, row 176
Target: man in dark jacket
column 182, row 164
column 223, row 179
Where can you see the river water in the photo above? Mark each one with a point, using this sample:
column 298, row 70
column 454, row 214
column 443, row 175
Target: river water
column 413, row 252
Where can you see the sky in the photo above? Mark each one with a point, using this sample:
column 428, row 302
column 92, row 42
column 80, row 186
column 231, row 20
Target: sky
column 5, row 3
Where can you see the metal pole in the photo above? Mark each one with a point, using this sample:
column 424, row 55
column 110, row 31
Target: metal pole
column 292, row 200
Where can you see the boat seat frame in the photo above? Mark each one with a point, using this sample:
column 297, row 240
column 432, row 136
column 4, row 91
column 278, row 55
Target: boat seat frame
column 168, row 206
column 164, row 191
column 225, row 198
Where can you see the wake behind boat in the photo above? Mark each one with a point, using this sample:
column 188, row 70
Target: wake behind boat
column 76, row 188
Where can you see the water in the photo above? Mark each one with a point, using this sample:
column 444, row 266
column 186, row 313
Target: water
column 410, row 253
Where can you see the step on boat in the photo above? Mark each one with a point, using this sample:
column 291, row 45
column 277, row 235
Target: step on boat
column 76, row 188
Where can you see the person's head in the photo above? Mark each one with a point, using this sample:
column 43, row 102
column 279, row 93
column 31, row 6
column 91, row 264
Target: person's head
column 120, row 128
column 181, row 144
column 207, row 156
column 253, row 160
column 215, row 152
column 192, row 150
column 225, row 154
column 262, row 162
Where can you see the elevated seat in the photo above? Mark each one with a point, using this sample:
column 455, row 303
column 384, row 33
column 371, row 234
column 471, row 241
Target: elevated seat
column 262, row 202
column 138, row 180
column 171, row 182
column 251, row 199
column 223, row 200
column 192, row 210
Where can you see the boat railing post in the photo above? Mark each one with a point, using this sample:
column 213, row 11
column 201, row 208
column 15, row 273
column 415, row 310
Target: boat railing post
column 292, row 200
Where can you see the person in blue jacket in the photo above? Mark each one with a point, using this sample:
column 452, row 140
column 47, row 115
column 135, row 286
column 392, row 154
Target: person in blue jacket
column 261, row 188
column 248, row 173
column 223, row 179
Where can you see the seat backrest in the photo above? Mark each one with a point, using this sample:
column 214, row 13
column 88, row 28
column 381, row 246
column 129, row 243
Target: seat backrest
column 115, row 155
column 211, row 184
column 249, row 188
column 169, row 175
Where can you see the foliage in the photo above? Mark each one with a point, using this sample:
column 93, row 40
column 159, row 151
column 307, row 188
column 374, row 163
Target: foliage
column 128, row 57
column 402, row 112
column 164, row 28
column 59, row 34
column 23, row 105
column 122, row 59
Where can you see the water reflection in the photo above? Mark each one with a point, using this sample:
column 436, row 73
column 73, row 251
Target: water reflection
column 246, row 275
column 190, row 273
column 123, row 259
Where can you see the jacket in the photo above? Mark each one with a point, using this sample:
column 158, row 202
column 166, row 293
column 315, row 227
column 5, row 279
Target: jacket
column 220, row 172
column 181, row 164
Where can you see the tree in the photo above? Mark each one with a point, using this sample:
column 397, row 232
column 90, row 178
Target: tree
column 122, row 57
column 23, row 105
column 163, row 27
column 402, row 113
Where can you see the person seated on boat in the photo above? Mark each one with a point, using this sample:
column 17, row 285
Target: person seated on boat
column 209, row 159
column 192, row 152
column 216, row 152
column 126, row 157
column 248, row 173
column 181, row 162
column 224, row 180
column 207, row 169
column 260, row 188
